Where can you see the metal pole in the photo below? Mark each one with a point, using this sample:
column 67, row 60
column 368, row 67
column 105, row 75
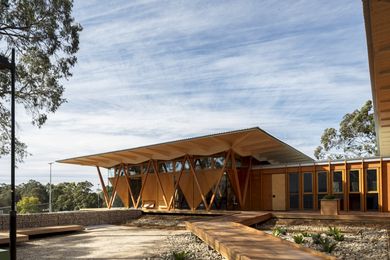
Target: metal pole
column 98, row 194
column 12, row 214
column 50, row 207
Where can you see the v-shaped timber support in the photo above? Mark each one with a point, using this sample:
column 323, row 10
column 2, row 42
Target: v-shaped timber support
column 177, row 182
column 236, row 179
column 216, row 188
column 191, row 163
column 146, row 172
column 128, row 180
column 159, row 181
column 113, row 192
column 105, row 193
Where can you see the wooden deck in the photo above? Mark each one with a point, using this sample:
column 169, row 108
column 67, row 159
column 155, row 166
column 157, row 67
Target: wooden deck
column 49, row 230
column 4, row 238
column 230, row 236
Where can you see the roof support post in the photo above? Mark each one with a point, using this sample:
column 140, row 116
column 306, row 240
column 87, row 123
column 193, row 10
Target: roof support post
column 248, row 173
column 159, row 181
column 191, row 162
column 143, row 184
column 128, row 180
column 219, row 179
column 236, row 178
column 113, row 193
column 177, row 183
column 105, row 193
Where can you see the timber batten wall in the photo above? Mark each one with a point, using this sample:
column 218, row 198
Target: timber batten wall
column 244, row 184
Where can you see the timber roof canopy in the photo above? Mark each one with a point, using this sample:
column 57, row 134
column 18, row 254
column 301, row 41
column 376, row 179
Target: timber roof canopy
column 247, row 142
column 377, row 20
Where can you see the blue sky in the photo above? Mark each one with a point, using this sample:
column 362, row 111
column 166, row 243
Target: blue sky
column 152, row 71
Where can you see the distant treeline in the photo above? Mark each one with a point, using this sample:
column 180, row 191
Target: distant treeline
column 33, row 196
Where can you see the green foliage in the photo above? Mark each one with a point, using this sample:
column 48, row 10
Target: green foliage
column 279, row 231
column 28, row 205
column 299, row 239
column 46, row 39
column 33, row 189
column 327, row 245
column 355, row 137
column 66, row 196
column 316, row 238
column 305, row 234
column 335, row 233
column 329, row 197
column 73, row 196
column 182, row 255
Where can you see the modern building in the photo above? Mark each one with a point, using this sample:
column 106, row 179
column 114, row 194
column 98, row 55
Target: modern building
column 251, row 170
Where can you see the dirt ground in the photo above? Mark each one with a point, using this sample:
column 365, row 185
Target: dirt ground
column 98, row 242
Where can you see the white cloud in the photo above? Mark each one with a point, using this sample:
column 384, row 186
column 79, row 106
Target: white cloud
column 154, row 71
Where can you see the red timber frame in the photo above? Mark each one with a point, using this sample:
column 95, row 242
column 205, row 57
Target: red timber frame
column 228, row 155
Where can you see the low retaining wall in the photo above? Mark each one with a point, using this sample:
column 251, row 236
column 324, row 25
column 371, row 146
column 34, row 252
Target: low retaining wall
column 85, row 218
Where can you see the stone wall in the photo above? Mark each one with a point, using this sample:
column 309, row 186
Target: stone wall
column 83, row 217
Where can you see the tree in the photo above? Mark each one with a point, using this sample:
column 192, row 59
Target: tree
column 34, row 189
column 46, row 38
column 355, row 138
column 28, row 205
column 73, row 196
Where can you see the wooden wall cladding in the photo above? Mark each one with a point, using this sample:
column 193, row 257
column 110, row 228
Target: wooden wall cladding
column 122, row 190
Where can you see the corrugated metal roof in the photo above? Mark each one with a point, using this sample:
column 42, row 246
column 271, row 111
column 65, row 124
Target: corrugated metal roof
column 245, row 142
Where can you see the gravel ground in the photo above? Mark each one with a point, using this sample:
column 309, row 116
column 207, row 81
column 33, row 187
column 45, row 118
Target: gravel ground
column 149, row 237
column 360, row 242
column 190, row 245
column 185, row 243
column 164, row 221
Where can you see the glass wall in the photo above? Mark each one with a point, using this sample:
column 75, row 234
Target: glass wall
column 293, row 185
column 354, row 190
column 322, row 186
column 308, row 190
column 337, row 187
column 372, row 189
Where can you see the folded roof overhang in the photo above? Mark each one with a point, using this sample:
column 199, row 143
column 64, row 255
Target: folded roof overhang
column 377, row 20
column 247, row 142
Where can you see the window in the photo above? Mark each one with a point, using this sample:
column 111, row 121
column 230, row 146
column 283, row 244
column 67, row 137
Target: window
column 307, row 190
column 307, row 182
column 354, row 181
column 293, row 184
column 372, row 180
column 354, row 190
column 337, row 182
column 322, row 182
column 372, row 189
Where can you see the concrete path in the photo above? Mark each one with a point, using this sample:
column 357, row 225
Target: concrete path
column 98, row 242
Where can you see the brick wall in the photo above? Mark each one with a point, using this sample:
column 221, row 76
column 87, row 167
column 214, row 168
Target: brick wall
column 85, row 218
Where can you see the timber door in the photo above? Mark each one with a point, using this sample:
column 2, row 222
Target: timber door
column 278, row 192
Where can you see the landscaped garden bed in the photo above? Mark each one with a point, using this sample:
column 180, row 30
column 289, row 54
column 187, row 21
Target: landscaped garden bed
column 344, row 241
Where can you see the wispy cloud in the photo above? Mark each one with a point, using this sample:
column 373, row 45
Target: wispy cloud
column 152, row 71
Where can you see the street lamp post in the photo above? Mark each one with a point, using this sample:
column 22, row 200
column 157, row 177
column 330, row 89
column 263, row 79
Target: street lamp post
column 98, row 196
column 4, row 65
column 50, row 207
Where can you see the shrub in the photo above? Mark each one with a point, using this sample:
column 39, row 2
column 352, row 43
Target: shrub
column 305, row 234
column 329, row 197
column 182, row 255
column 279, row 231
column 327, row 245
column 299, row 239
column 336, row 233
column 316, row 238
column 338, row 237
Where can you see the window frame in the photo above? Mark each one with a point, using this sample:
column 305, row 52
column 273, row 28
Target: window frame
column 359, row 184
column 342, row 182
